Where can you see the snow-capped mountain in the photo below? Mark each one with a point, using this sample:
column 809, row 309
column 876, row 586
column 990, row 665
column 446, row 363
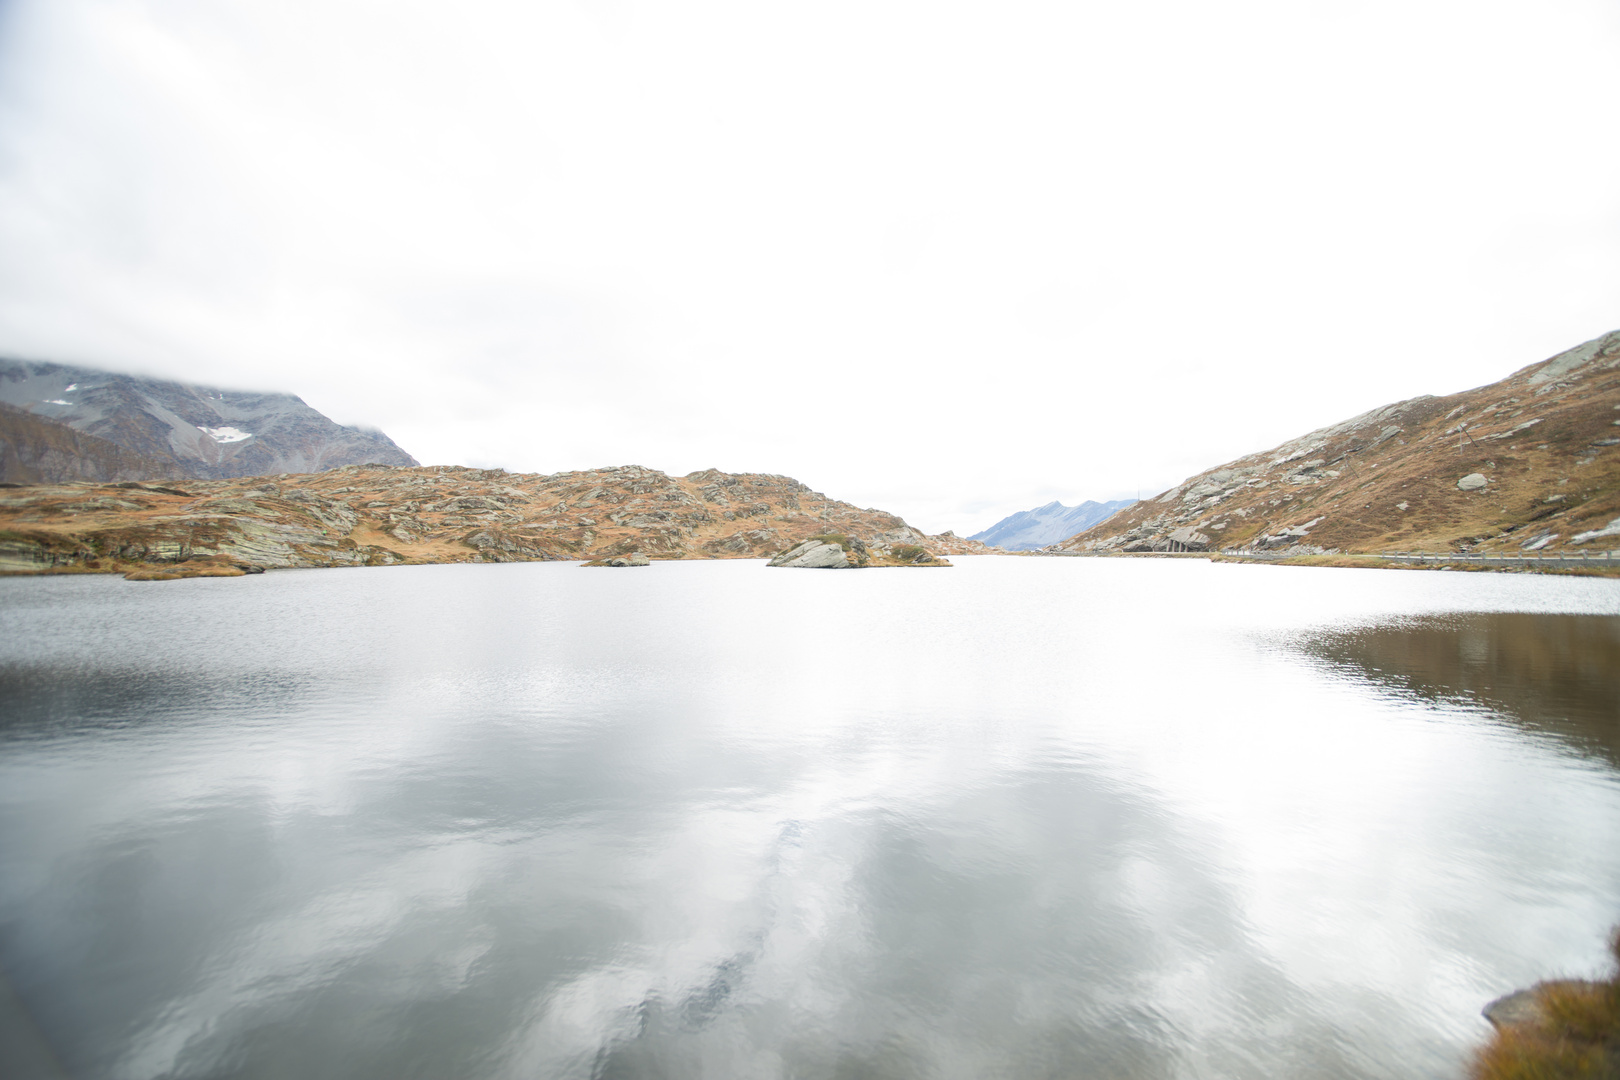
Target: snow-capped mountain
column 206, row 432
column 1031, row 529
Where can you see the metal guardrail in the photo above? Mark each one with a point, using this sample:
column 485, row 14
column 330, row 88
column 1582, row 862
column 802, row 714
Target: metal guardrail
column 1547, row 562
column 1585, row 558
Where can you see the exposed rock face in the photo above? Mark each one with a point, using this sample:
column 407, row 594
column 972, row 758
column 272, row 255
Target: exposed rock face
column 623, row 560
column 1188, row 540
column 948, row 543
column 193, row 431
column 1612, row 529
column 1525, row 464
column 1524, row 1007
column 1031, row 529
column 34, row 450
column 374, row 515
column 833, row 552
column 814, row 554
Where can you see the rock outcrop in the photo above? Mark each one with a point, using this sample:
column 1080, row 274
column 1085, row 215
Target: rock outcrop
column 373, row 515
column 836, row 552
column 1529, row 463
column 637, row 559
column 815, row 555
column 1528, row 1007
column 34, row 450
column 190, row 431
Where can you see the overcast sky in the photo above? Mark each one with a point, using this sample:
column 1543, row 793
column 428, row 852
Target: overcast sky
column 950, row 260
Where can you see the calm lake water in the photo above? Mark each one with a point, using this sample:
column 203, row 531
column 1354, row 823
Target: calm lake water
column 1019, row 818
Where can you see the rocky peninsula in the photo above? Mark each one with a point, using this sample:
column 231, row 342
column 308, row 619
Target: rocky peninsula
column 378, row 515
column 835, row 551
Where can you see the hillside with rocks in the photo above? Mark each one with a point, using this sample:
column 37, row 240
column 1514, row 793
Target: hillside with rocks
column 191, row 431
column 1527, row 464
column 1031, row 529
column 373, row 515
column 34, row 450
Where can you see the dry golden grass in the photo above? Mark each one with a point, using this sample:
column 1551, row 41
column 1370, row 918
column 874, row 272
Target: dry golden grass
column 1388, row 482
column 183, row 572
column 1575, row 1034
column 434, row 515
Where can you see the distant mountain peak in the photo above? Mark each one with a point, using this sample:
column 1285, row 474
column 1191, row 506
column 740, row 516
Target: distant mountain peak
column 1031, row 529
column 35, row 450
column 198, row 431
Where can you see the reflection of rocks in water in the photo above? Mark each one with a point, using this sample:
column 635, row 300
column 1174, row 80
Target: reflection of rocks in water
column 1558, row 674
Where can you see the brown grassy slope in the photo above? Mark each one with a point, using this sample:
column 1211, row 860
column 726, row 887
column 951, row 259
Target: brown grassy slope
column 1568, row 1030
column 374, row 515
column 1547, row 440
column 34, row 450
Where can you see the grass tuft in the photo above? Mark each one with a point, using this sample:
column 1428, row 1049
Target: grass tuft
column 1582, row 1013
column 1519, row 1055
column 1574, row 1036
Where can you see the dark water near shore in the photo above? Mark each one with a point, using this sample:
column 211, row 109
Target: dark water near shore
column 1023, row 818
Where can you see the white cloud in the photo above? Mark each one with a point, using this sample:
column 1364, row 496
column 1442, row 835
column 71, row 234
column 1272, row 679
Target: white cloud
column 932, row 257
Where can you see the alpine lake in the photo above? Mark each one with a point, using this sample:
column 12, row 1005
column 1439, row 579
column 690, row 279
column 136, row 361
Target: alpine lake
column 1020, row 818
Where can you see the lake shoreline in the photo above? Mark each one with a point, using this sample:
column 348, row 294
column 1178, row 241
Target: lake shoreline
column 1472, row 564
column 214, row 568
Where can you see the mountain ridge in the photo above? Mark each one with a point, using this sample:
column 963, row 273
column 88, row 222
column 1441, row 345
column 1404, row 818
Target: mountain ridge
column 1044, row 525
column 190, row 429
column 1524, row 464
column 35, row 450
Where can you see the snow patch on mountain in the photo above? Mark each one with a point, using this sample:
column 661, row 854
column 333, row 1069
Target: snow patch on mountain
column 225, row 434
column 197, row 431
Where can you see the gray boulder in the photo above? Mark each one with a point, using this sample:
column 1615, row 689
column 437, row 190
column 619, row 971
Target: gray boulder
column 1524, row 1008
column 1189, row 540
column 1472, row 482
column 814, row 554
